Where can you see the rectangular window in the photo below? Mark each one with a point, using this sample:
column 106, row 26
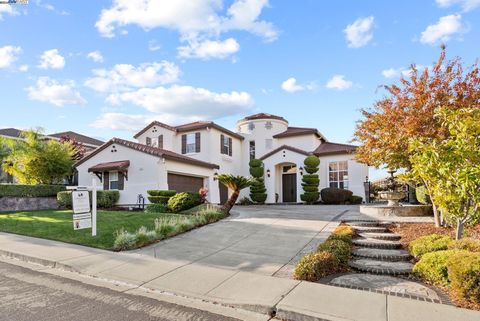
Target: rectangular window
column 252, row 149
column 268, row 144
column 225, row 145
column 191, row 143
column 338, row 174
column 149, row 141
column 113, row 180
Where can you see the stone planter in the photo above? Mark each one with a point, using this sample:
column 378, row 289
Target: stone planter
column 403, row 210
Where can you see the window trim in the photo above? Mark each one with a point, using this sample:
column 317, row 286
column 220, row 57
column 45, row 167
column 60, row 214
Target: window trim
column 110, row 181
column 346, row 182
column 193, row 145
column 225, row 145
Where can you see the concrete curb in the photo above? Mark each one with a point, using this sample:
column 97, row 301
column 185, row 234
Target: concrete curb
column 37, row 260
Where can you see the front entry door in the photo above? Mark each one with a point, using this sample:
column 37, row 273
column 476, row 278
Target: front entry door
column 289, row 183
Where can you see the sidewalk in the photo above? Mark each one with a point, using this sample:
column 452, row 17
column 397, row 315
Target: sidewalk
column 289, row 299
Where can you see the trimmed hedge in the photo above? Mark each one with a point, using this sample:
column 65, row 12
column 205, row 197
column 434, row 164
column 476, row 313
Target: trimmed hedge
column 333, row 195
column 466, row 244
column 354, row 199
column 433, row 266
column 315, row 266
column 160, row 196
column 156, row 208
column 183, row 201
column 105, row 199
column 18, row 190
column 464, row 275
column 166, row 192
column 429, row 243
column 339, row 248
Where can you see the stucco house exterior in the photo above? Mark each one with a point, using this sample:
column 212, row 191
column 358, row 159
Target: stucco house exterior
column 190, row 156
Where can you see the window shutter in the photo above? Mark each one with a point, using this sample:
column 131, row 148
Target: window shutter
column 230, row 146
column 160, row 141
column 121, row 179
column 106, row 181
column 197, row 142
column 184, row 144
column 222, row 148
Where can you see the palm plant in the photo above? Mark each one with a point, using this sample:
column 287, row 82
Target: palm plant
column 236, row 184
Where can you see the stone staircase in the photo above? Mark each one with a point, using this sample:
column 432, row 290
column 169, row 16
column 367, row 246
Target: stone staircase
column 378, row 251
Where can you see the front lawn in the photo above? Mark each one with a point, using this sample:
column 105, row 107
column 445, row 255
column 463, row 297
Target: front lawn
column 57, row 225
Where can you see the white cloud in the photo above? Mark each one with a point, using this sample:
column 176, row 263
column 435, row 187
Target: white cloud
column 290, row 85
column 51, row 59
column 8, row 55
column 153, row 45
column 208, row 49
column 95, row 56
column 7, row 10
column 466, row 5
column 186, row 101
column 442, row 30
column 124, row 76
column 51, row 91
column 23, row 68
column 359, row 33
column 339, row 82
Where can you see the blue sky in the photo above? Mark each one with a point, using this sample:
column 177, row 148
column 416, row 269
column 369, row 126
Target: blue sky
column 105, row 68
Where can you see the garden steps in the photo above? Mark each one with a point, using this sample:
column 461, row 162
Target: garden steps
column 356, row 224
column 369, row 229
column 382, row 267
column 376, row 243
column 381, row 236
column 381, row 254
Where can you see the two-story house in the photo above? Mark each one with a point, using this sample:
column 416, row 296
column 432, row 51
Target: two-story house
column 190, row 156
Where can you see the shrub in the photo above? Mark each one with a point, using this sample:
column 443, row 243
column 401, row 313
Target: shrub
column 160, row 196
column 464, row 275
column 466, row 244
column 105, row 199
column 314, row 266
column 156, row 208
column 340, row 237
column 354, row 199
column 310, row 181
column 257, row 189
column 183, row 201
column 339, row 248
column 144, row 236
column 202, row 194
column 422, row 195
column 429, row 243
column 332, row 195
column 124, row 240
column 245, row 201
column 433, row 266
column 165, row 226
column 17, row 190
column 344, row 230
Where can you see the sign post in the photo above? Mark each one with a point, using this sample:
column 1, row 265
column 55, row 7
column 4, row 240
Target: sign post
column 83, row 216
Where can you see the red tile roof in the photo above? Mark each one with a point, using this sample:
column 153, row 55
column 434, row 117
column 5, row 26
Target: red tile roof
column 151, row 151
column 298, row 131
column 290, row 148
column 264, row 116
column 327, row 148
column 154, row 123
column 78, row 137
column 119, row 165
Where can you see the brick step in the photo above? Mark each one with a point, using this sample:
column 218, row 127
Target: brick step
column 382, row 255
column 381, row 267
column 381, row 236
column 369, row 229
column 355, row 224
column 376, row 244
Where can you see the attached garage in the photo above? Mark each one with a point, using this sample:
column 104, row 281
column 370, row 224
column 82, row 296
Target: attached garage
column 184, row 183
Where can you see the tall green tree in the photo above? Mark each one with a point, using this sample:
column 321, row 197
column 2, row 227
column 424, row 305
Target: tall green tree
column 236, row 184
column 35, row 160
column 451, row 167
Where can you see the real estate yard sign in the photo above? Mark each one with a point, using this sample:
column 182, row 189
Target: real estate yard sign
column 82, row 217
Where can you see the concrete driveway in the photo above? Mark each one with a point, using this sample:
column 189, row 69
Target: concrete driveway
column 267, row 240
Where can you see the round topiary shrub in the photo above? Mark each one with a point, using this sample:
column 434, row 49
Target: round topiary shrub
column 333, row 195
column 315, row 266
column 464, row 275
column 422, row 195
column 429, row 243
column 257, row 189
column 183, row 201
column 433, row 266
column 467, row 244
column 310, row 181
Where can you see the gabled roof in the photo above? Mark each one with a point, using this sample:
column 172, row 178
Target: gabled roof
column 263, row 116
column 11, row 132
column 151, row 151
column 327, row 148
column 288, row 147
column 298, row 131
column 189, row 127
column 78, row 137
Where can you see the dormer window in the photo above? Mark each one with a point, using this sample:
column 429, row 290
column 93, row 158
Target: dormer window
column 251, row 126
column 268, row 125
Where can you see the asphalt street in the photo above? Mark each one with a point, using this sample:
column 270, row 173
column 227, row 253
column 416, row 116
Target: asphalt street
column 27, row 295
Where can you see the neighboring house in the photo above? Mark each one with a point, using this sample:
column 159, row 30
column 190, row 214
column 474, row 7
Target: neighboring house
column 190, row 156
column 89, row 143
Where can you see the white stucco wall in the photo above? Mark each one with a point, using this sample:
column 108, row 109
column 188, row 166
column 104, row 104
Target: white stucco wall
column 154, row 131
column 307, row 143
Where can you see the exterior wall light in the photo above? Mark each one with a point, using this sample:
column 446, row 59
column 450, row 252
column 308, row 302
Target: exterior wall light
column 268, row 172
column 215, row 176
column 301, row 171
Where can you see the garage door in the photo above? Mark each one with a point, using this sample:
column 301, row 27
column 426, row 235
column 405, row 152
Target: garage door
column 183, row 183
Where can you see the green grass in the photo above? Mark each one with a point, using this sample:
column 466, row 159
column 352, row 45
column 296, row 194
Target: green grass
column 57, row 225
